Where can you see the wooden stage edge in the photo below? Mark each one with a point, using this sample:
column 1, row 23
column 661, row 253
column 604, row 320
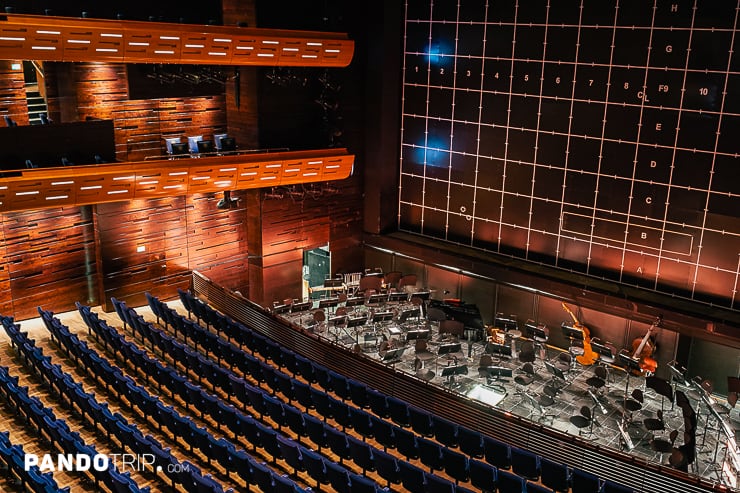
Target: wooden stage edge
column 546, row 442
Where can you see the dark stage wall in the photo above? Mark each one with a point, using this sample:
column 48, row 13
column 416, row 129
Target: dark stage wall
column 592, row 138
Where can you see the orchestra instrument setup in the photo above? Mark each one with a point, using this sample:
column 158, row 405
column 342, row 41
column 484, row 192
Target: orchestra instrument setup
column 591, row 388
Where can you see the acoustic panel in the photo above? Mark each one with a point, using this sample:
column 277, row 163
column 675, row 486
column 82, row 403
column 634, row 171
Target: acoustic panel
column 67, row 39
column 597, row 137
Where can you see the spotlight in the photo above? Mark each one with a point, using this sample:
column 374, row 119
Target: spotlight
column 227, row 202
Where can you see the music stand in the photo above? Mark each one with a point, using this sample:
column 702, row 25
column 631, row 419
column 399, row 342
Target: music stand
column 276, row 310
column 397, row 297
column 417, row 334
column 532, row 402
column 535, row 331
column 300, row 307
column 451, row 371
column 602, row 349
column 328, row 302
column 333, row 283
column 630, row 364
column 406, row 314
column 572, row 333
column 496, row 348
column 381, row 317
column 454, row 347
column 393, row 355
column 494, row 374
column 556, row 372
column 377, row 298
column 356, row 301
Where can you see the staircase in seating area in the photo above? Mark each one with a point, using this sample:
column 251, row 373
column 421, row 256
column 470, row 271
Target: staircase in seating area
column 36, row 104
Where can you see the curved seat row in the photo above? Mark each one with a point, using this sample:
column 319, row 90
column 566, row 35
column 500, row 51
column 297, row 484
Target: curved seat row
column 32, row 478
column 245, row 393
column 43, row 418
column 127, row 433
column 530, row 466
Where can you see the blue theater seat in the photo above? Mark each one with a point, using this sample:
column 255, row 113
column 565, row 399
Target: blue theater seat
column 497, row 453
column 316, row 431
column 406, row 443
column 555, row 475
column 383, row 432
column 421, row 421
column 378, row 403
column 437, row 484
column 338, row 477
column 445, row 431
column 525, row 463
column 339, row 385
column 337, row 443
column 296, row 422
column 612, row 487
column 387, row 467
column 341, row 413
column 302, row 394
column 456, row 465
column 470, row 442
column 412, row 477
column 483, row 475
column 584, row 482
column 430, row 454
column 358, row 393
column 399, row 411
column 361, row 484
column 315, row 467
column 361, row 422
column 291, row 453
column 361, row 454
column 508, row 482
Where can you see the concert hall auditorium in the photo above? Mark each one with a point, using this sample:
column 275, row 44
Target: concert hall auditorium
column 424, row 246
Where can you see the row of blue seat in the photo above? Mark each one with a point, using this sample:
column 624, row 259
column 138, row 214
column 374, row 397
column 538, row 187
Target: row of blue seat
column 46, row 423
column 224, row 414
column 252, row 396
column 32, row 478
column 430, row 453
column 526, row 464
column 128, row 435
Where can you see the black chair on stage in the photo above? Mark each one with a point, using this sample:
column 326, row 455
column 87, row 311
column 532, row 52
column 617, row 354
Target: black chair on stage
column 633, row 404
column 584, row 419
column 483, row 476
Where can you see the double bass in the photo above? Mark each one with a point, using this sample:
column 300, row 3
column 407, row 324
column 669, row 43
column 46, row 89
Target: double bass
column 589, row 356
column 643, row 348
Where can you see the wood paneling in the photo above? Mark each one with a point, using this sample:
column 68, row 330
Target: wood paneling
column 79, row 185
column 50, row 259
column 13, row 92
column 217, row 239
column 29, row 37
column 143, row 247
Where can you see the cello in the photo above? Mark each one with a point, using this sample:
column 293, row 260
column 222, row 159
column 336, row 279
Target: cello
column 589, row 356
column 643, row 348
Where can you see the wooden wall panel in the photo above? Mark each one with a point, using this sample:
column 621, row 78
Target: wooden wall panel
column 13, row 93
column 50, row 259
column 6, row 297
column 143, row 247
column 217, row 239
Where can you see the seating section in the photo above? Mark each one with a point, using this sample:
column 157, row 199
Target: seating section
column 311, row 421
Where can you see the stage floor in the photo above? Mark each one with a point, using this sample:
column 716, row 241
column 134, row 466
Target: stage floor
column 542, row 396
